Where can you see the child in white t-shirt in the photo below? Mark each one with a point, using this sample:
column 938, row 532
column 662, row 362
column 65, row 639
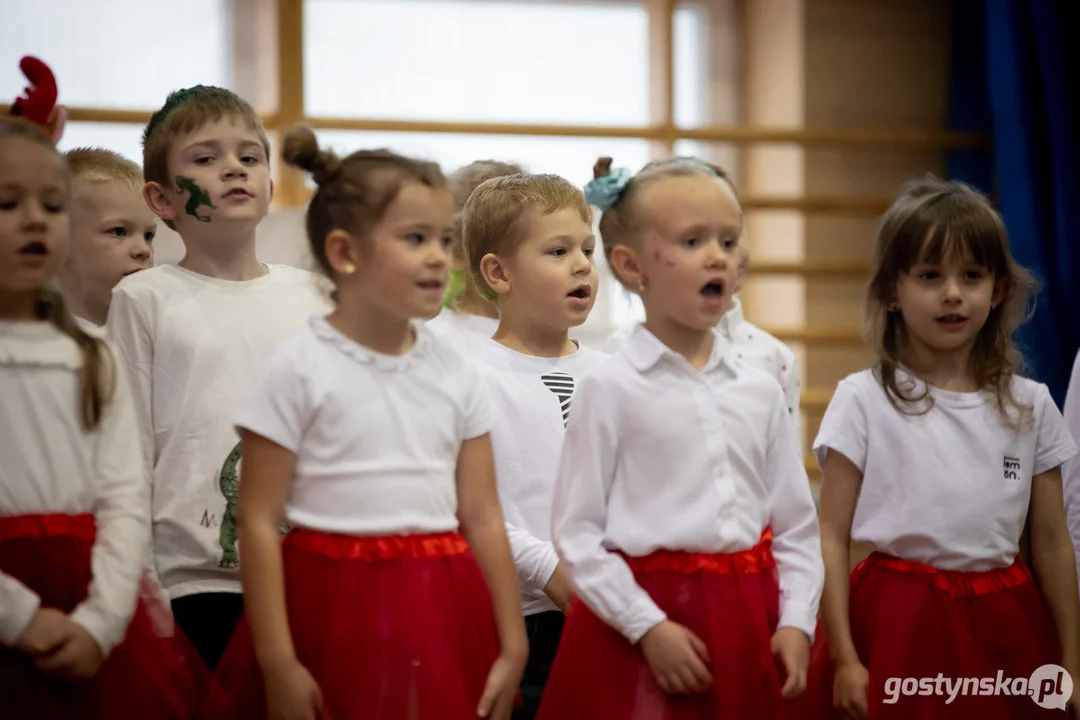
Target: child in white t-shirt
column 529, row 245
column 370, row 438
column 934, row 459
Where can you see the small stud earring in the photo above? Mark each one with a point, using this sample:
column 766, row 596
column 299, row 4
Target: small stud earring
column 641, row 287
column 348, row 269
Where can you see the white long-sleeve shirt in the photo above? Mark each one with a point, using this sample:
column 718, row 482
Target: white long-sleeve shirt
column 753, row 346
column 193, row 347
column 659, row 455
column 50, row 464
column 534, row 396
column 1070, row 472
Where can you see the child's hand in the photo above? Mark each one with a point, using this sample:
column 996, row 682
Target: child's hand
column 501, row 688
column 292, row 693
column 677, row 658
column 558, row 588
column 792, row 646
column 850, row 688
column 77, row 655
column 44, row 633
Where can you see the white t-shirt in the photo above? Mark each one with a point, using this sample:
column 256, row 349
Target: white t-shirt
column 659, row 455
column 753, row 346
column 1070, row 473
column 949, row 488
column 193, row 346
column 376, row 437
column 51, row 464
column 535, row 398
column 464, row 330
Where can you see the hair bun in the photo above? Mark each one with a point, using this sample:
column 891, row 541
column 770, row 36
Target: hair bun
column 602, row 168
column 301, row 150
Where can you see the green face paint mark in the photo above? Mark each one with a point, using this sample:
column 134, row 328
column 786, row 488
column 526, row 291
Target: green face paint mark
column 196, row 197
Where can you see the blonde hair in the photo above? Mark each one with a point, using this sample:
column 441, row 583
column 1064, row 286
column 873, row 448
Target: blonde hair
column 184, row 112
column 495, row 218
column 620, row 222
column 354, row 191
column 931, row 220
column 98, row 378
column 464, row 181
column 98, row 165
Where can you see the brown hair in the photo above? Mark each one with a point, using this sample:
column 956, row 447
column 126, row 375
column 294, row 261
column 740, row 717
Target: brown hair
column 931, row 220
column 619, row 223
column 97, row 165
column 495, row 219
column 186, row 111
column 98, row 378
column 353, row 192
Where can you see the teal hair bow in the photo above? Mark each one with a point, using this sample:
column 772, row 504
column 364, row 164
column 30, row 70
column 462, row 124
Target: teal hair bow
column 604, row 191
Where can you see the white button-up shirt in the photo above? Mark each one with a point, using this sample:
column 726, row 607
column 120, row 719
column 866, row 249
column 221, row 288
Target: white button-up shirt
column 659, row 455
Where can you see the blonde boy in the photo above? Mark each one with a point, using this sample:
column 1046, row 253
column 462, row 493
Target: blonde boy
column 112, row 231
column 529, row 245
column 194, row 335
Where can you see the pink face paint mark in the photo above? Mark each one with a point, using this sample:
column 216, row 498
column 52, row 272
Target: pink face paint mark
column 660, row 258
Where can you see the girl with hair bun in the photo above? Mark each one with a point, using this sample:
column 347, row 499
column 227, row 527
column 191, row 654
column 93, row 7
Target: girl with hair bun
column 394, row 594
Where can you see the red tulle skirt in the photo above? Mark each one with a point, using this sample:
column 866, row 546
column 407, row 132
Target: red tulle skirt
column 152, row 674
column 910, row 621
column 391, row 628
column 730, row 601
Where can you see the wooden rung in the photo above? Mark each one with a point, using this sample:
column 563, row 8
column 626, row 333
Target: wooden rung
column 840, row 205
column 811, row 269
column 817, row 336
column 894, row 140
column 815, row 399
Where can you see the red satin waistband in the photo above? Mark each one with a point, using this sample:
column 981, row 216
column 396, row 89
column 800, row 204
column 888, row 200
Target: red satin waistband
column 393, row 547
column 744, row 562
column 955, row 583
column 15, row 527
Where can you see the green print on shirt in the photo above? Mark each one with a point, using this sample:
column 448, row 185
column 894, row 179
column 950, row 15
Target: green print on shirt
column 196, row 197
column 229, row 482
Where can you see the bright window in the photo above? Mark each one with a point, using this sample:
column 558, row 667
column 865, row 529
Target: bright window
column 570, row 63
column 124, row 54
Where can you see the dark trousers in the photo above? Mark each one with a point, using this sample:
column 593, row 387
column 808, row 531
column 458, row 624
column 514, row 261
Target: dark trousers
column 544, row 631
column 208, row 621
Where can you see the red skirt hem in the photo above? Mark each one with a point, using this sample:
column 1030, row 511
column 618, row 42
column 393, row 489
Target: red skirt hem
column 153, row 673
column 389, row 628
column 730, row 601
column 911, row 621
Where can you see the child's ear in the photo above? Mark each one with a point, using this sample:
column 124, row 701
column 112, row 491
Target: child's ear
column 271, row 191
column 495, row 274
column 627, row 266
column 159, row 200
column 341, row 252
column 1001, row 291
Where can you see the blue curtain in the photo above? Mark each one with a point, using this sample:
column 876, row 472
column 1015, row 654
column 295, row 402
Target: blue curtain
column 1013, row 78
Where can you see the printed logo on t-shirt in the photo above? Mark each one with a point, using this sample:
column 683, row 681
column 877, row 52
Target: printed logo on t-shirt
column 229, row 484
column 563, row 386
column 1012, row 468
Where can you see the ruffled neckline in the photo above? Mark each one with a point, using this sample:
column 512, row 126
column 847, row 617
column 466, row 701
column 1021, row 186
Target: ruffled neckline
column 366, row 356
column 37, row 344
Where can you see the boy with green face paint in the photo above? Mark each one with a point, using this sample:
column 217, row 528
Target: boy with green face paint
column 194, row 336
column 467, row 317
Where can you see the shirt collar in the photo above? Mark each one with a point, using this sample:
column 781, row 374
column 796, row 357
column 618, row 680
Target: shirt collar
column 644, row 351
